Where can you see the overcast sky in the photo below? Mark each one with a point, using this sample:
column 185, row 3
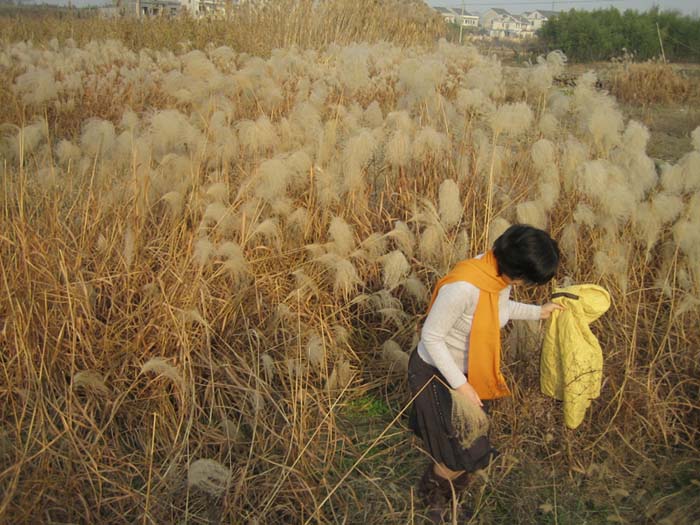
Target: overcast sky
column 689, row 7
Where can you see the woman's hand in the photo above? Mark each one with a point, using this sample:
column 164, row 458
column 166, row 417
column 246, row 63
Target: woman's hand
column 548, row 308
column 468, row 391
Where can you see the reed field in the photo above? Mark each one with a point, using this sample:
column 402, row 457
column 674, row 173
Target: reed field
column 216, row 258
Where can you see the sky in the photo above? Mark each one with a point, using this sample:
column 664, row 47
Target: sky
column 688, row 7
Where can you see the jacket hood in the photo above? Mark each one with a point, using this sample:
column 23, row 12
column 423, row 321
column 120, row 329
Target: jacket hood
column 588, row 301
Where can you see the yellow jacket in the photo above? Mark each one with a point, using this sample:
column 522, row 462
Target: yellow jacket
column 571, row 366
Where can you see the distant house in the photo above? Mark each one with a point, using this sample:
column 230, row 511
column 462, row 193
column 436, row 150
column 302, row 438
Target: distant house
column 140, row 8
column 447, row 14
column 212, row 8
column 494, row 20
column 521, row 27
column 500, row 23
column 459, row 16
column 465, row 18
column 196, row 8
column 538, row 17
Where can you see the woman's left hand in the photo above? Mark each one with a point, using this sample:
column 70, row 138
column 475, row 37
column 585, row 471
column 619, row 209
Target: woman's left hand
column 548, row 308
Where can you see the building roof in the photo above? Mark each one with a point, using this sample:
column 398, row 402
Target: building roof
column 444, row 10
column 546, row 14
column 500, row 11
column 463, row 12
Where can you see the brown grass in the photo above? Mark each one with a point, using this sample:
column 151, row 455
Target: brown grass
column 253, row 27
column 143, row 384
column 651, row 83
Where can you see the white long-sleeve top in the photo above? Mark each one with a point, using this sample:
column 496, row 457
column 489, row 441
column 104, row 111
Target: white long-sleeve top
column 444, row 341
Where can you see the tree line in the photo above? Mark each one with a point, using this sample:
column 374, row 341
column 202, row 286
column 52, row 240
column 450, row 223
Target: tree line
column 586, row 36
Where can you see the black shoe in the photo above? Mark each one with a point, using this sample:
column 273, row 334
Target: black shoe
column 435, row 493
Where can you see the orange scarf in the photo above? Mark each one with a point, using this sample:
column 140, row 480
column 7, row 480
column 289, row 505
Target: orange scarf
column 484, row 362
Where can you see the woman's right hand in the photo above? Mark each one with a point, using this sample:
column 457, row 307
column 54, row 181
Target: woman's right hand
column 468, row 391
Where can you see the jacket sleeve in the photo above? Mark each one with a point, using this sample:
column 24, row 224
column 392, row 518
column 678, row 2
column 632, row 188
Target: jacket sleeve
column 451, row 302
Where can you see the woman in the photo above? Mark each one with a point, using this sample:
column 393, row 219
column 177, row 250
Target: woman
column 460, row 349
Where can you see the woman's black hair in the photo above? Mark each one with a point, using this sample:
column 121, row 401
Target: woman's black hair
column 525, row 252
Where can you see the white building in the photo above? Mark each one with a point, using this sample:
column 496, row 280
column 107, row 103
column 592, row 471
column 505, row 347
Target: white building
column 458, row 16
column 196, row 8
column 497, row 22
column 447, row 14
column 465, row 18
column 500, row 23
column 538, row 17
column 139, row 8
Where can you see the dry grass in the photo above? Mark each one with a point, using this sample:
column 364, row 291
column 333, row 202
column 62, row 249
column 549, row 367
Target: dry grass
column 651, row 83
column 188, row 338
column 253, row 27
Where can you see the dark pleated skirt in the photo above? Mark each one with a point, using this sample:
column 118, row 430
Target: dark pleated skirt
column 430, row 418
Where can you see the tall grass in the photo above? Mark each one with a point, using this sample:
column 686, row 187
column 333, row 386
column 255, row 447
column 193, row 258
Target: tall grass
column 205, row 254
column 253, row 27
column 651, row 82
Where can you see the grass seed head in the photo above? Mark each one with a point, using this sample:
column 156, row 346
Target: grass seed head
column 342, row 235
column 36, row 87
column 686, row 233
column 497, row 227
column 415, row 287
column 473, row 101
column 174, row 200
column 273, row 179
column 666, row 206
column 67, row 152
column 395, row 269
column 209, row 476
column 690, row 169
column 549, row 126
column 430, row 246
column 340, row 376
column 542, row 154
column 636, row 137
column 648, row 224
column 511, row 119
column 695, row 138
column 392, row 354
column 161, row 367
column 129, row 246
column 234, row 259
column 98, row 137
column 532, row 213
column 268, row 229
column 450, row 204
column 375, row 245
column 203, row 250
column 402, row 235
column 315, row 351
column 469, row 420
column 218, row 192
column 430, row 144
column 605, row 125
column 398, row 149
column 568, row 242
column 90, row 381
column 346, row 278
